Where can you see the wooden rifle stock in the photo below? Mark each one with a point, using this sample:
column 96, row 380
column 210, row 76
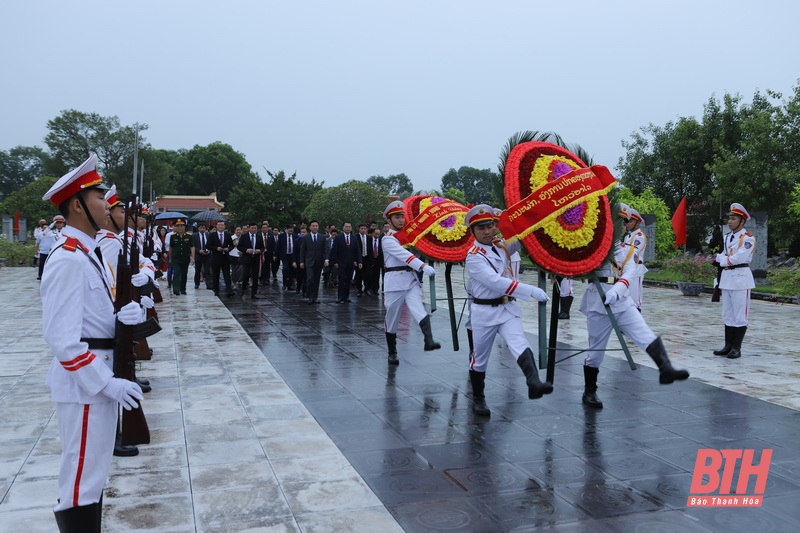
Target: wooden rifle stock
column 717, row 294
column 134, row 424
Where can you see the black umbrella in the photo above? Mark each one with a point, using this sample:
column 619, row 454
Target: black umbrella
column 208, row 216
column 171, row 215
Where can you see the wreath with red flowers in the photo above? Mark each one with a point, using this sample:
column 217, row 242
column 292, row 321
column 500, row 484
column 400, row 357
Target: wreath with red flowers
column 444, row 236
column 574, row 239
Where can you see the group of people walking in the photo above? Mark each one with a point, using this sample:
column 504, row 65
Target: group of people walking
column 80, row 319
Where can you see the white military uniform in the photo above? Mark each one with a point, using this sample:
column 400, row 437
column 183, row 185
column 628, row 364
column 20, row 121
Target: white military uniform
column 636, row 242
column 630, row 320
column 736, row 283
column 491, row 276
column 400, row 286
column 76, row 304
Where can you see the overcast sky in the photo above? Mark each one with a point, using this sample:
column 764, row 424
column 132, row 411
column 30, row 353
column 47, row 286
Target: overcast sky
column 340, row 90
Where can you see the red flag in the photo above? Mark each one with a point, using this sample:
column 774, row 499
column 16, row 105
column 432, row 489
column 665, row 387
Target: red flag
column 679, row 223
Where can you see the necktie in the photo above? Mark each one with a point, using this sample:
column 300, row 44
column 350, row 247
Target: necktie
column 288, row 244
column 99, row 254
column 347, row 239
column 314, row 238
column 253, row 242
column 363, row 245
column 374, row 247
column 495, row 251
column 202, row 241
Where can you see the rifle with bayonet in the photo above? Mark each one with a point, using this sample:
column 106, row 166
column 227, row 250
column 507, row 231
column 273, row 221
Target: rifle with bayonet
column 134, row 423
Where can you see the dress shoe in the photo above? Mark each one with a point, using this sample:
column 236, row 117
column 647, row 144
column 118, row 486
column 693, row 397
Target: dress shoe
column 359, row 293
column 348, row 300
column 125, row 451
column 310, row 301
column 255, row 297
column 231, row 294
column 196, row 287
column 183, row 292
column 339, row 301
column 317, row 301
column 176, row 293
column 216, row 293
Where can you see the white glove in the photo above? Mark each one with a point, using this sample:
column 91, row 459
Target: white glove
column 154, row 257
column 139, row 279
column 722, row 259
column 429, row 271
column 539, row 295
column 131, row 314
column 147, row 302
column 124, row 391
column 612, row 296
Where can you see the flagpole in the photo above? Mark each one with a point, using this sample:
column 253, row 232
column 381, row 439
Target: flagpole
column 135, row 161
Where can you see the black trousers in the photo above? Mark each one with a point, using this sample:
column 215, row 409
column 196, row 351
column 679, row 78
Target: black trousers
column 345, row 278
column 250, row 275
column 202, row 266
column 180, row 273
column 313, row 274
column 225, row 267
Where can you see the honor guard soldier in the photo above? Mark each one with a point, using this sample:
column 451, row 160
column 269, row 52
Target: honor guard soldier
column 636, row 241
column 736, row 280
column 401, row 284
column 494, row 309
column 615, row 277
column 79, row 326
column 180, row 256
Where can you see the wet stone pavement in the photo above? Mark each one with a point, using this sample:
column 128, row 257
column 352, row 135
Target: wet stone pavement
column 288, row 419
column 541, row 465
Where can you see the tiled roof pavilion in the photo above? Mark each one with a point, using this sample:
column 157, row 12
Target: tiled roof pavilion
column 188, row 204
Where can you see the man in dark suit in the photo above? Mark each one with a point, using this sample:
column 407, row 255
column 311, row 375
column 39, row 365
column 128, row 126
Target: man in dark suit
column 251, row 251
column 221, row 243
column 345, row 255
column 299, row 271
column 375, row 255
column 364, row 242
column 285, row 254
column 202, row 256
column 266, row 258
column 314, row 248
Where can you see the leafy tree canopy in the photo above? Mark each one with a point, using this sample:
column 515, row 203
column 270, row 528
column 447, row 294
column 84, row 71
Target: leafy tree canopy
column 648, row 203
column 213, row 168
column 28, row 201
column 73, row 135
column 19, row 167
column 395, row 185
column 477, row 184
column 354, row 201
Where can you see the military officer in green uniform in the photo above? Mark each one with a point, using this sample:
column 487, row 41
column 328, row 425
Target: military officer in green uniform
column 180, row 256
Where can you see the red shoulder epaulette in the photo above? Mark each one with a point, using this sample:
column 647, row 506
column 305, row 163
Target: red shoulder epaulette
column 748, row 233
column 476, row 249
column 72, row 243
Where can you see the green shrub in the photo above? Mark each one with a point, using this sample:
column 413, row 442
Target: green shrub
column 698, row 269
column 785, row 280
column 16, row 253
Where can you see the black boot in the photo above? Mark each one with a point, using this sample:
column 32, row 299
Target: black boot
column 471, row 344
column 566, row 303
column 479, row 407
column 121, row 450
column 425, row 326
column 391, row 342
column 727, row 348
column 737, row 336
column 590, row 398
column 536, row 389
column 666, row 374
column 83, row 519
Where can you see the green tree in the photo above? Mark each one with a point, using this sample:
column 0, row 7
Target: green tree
column 648, row 203
column 395, row 185
column 477, row 184
column 73, row 135
column 19, row 167
column 354, row 201
column 247, row 201
column 287, row 198
column 28, row 201
column 213, row 168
